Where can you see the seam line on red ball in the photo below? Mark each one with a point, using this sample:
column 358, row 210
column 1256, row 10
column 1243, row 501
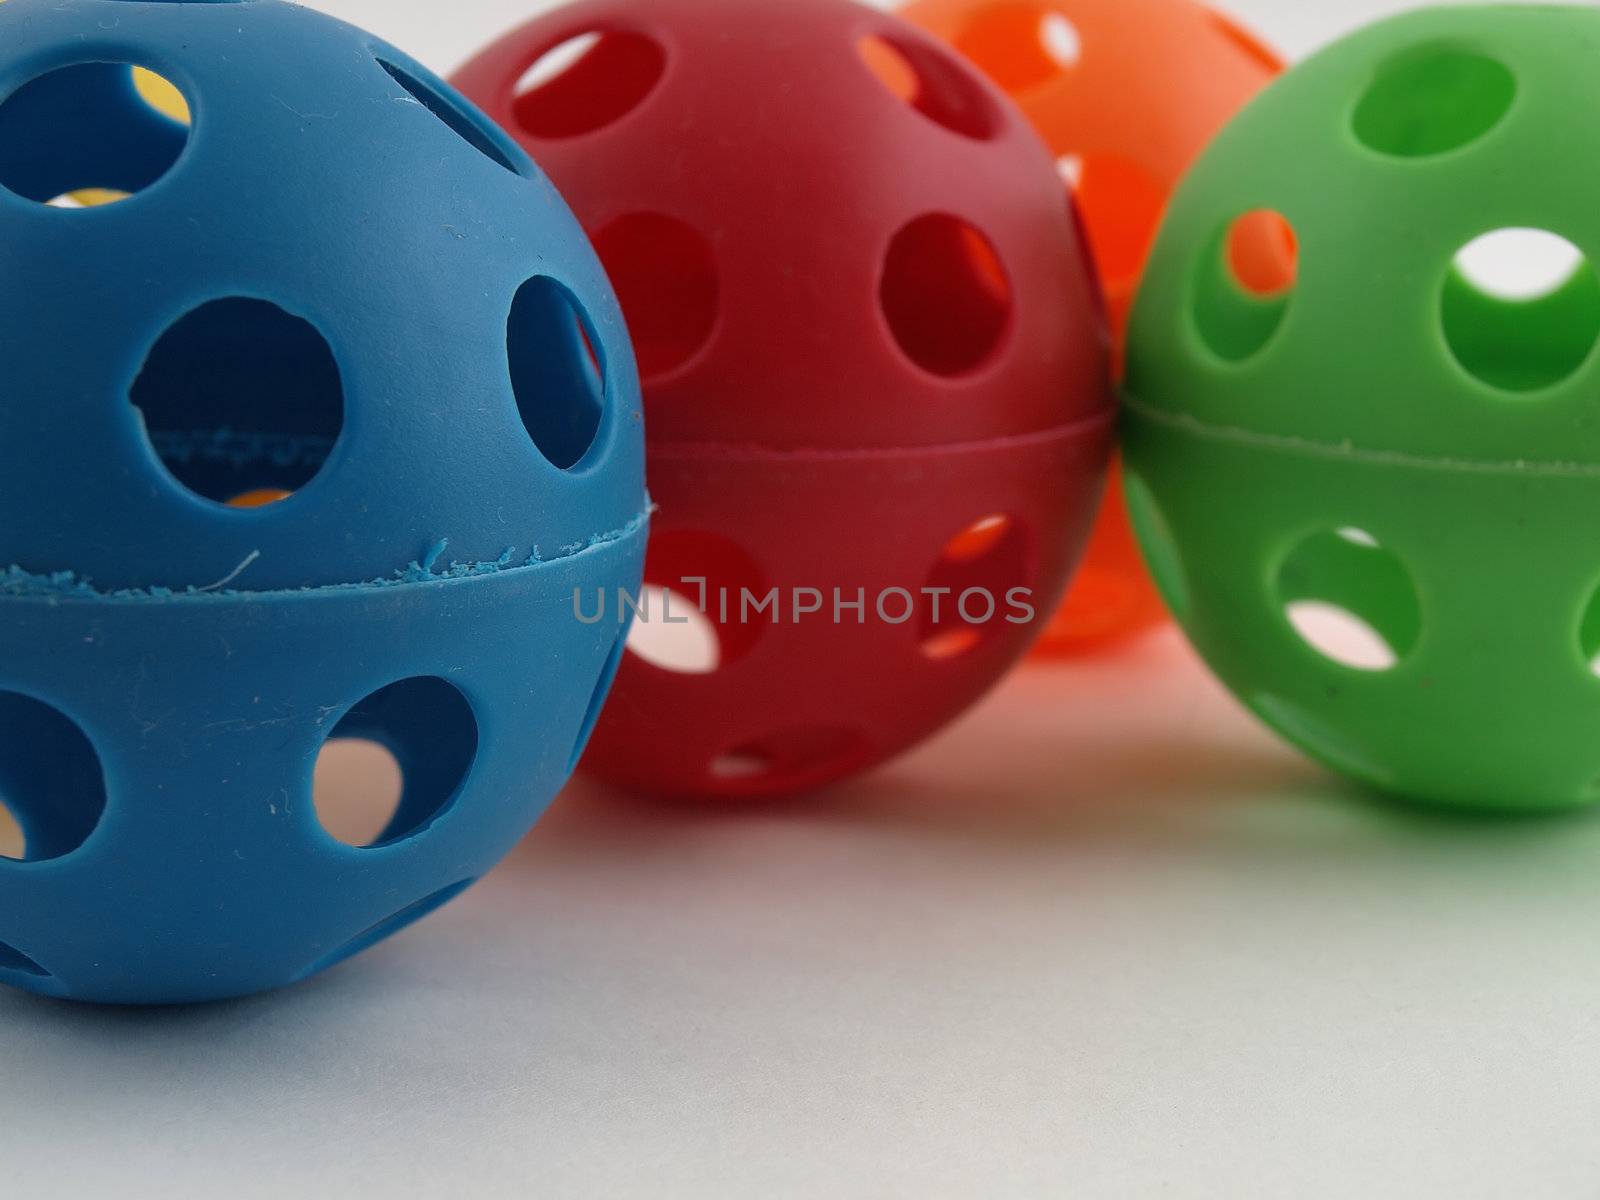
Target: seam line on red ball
column 732, row 450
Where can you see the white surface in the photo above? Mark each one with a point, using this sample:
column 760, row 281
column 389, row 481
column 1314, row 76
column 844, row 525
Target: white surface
column 1105, row 939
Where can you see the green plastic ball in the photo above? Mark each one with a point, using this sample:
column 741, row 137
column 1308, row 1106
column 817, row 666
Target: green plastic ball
column 1363, row 432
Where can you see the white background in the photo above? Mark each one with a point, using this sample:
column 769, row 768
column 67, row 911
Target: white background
column 1103, row 939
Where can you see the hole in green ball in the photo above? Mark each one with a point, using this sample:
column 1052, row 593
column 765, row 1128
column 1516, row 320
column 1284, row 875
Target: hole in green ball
column 1432, row 100
column 1245, row 284
column 1156, row 540
column 1350, row 599
column 1521, row 309
column 1589, row 641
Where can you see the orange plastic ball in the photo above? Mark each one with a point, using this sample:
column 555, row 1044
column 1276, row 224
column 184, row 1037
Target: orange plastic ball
column 1126, row 93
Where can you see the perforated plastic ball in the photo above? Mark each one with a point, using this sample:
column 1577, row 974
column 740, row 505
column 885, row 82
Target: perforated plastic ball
column 1369, row 494
column 1127, row 93
column 874, row 363
column 305, row 444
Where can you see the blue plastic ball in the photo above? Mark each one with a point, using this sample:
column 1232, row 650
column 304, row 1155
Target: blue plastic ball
column 309, row 438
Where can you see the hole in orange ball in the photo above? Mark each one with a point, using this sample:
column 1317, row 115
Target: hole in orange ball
column 1021, row 46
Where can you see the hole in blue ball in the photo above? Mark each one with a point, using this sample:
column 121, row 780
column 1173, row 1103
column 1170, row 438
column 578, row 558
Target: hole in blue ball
column 557, row 374
column 242, row 402
column 456, row 113
column 51, row 781
column 602, row 689
column 12, row 959
column 90, row 127
column 390, row 926
column 428, row 728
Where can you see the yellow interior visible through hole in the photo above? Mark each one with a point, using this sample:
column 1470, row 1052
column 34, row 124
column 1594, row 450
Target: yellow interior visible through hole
column 161, row 95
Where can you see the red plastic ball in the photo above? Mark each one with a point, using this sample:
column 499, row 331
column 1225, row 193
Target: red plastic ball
column 875, row 365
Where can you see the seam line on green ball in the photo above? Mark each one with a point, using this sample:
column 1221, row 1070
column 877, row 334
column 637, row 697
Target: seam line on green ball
column 18, row 583
column 1350, row 452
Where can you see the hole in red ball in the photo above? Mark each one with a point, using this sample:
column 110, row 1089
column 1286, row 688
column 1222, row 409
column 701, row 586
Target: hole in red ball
column 795, row 758
column 587, row 82
column 698, row 611
column 931, row 82
column 666, row 278
column 973, row 591
column 945, row 295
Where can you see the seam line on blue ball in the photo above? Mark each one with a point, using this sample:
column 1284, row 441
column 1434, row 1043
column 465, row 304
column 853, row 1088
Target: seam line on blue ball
column 1350, row 452
column 18, row 583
